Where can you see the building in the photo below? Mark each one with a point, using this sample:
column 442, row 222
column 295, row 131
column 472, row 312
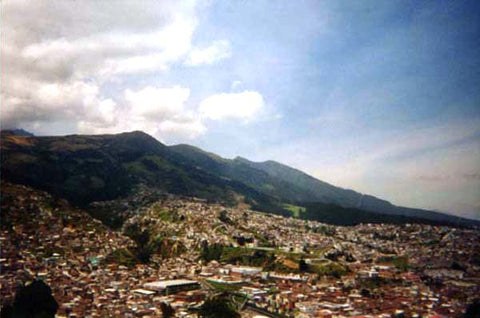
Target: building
column 168, row 287
column 246, row 270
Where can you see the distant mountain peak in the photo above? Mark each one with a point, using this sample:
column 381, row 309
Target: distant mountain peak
column 17, row 132
column 135, row 132
column 241, row 159
column 138, row 138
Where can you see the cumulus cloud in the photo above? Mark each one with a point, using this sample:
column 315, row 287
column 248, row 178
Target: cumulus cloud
column 188, row 129
column 50, row 101
column 76, row 64
column 157, row 102
column 219, row 50
column 59, row 40
column 159, row 111
column 244, row 105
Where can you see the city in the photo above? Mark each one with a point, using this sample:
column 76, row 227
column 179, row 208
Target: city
column 281, row 267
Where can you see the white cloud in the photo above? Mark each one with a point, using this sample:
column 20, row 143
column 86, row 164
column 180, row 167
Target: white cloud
column 111, row 52
column 72, row 64
column 155, row 102
column 244, row 105
column 27, row 101
column 219, row 50
column 158, row 111
column 189, row 130
column 167, row 129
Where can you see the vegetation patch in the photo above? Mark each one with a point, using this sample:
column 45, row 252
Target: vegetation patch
column 297, row 211
column 122, row 257
column 218, row 307
column 400, row 262
column 223, row 287
column 331, row 269
column 162, row 244
column 290, row 264
column 165, row 215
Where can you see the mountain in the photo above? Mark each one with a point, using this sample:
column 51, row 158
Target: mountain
column 239, row 170
column 316, row 190
column 85, row 169
column 275, row 179
column 329, row 194
column 294, row 186
column 18, row 132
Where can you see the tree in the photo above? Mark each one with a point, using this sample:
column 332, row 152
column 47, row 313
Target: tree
column 240, row 240
column 457, row 266
column 473, row 309
column 211, row 252
column 32, row 301
column 223, row 216
column 365, row 292
column 6, row 310
column 218, row 307
column 144, row 248
column 167, row 310
column 302, row 265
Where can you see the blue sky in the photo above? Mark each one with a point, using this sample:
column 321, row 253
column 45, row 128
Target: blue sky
column 379, row 96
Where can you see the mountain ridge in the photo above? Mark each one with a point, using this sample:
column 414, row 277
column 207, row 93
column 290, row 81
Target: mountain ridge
column 87, row 168
column 325, row 193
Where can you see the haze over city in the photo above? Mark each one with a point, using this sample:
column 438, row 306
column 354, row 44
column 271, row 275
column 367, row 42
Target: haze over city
column 378, row 96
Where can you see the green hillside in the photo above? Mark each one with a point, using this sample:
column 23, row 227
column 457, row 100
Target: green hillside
column 84, row 169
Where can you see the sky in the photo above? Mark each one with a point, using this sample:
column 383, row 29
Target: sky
column 382, row 97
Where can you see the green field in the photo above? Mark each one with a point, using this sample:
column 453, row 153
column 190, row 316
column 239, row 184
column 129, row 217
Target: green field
column 222, row 287
column 295, row 209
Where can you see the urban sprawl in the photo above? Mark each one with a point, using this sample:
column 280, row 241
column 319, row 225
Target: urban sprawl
column 268, row 265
